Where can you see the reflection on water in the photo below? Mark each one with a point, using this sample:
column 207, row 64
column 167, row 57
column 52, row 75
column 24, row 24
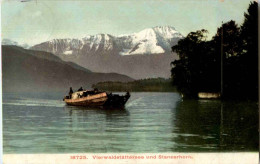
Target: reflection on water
column 216, row 125
column 96, row 119
column 150, row 122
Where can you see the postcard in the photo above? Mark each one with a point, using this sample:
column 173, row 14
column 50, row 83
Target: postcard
column 131, row 81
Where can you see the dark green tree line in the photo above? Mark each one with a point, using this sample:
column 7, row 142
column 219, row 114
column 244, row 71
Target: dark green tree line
column 198, row 67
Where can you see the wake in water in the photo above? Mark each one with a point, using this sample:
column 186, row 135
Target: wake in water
column 34, row 102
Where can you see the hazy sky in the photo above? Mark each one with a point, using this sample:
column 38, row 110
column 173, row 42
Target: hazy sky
column 37, row 21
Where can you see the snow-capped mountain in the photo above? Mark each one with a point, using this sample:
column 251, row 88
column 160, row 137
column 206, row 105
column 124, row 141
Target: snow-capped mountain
column 152, row 41
column 155, row 40
column 139, row 55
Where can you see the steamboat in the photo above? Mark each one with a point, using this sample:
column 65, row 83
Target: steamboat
column 95, row 98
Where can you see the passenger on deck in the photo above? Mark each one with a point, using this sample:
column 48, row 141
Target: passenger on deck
column 70, row 93
column 80, row 89
column 95, row 90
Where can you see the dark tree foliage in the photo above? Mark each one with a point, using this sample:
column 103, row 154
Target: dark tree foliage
column 231, row 51
column 198, row 67
column 231, row 40
column 249, row 57
column 194, row 64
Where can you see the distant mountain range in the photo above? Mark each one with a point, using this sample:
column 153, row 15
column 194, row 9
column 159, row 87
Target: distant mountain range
column 140, row 55
column 35, row 71
column 155, row 40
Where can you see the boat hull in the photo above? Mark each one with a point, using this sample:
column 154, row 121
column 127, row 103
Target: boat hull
column 116, row 100
column 90, row 101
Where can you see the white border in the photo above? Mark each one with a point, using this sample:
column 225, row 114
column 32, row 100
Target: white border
column 196, row 158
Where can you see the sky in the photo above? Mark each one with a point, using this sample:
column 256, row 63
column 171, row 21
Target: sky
column 37, row 21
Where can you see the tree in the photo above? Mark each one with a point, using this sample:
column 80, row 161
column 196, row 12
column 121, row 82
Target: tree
column 186, row 71
column 198, row 66
column 249, row 56
column 228, row 36
column 231, row 40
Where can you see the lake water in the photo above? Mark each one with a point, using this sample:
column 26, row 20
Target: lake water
column 150, row 122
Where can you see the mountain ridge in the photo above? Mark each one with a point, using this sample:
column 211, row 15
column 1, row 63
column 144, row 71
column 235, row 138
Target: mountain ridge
column 154, row 40
column 32, row 71
column 139, row 55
